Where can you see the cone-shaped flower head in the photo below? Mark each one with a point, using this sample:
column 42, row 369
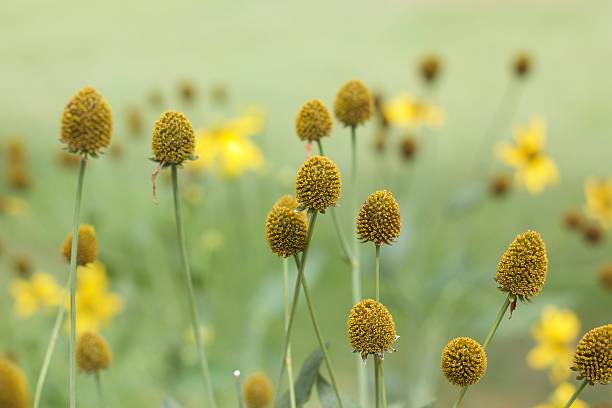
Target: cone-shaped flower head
column 87, row 251
column 371, row 329
column 353, row 104
column 13, row 386
column 429, row 68
column 92, row 353
column 379, row 219
column 522, row 269
column 173, row 138
column 464, row 361
column 87, row 122
column 286, row 231
column 318, row 183
column 313, row 121
column 290, row 202
column 522, row 65
column 593, row 357
column 258, row 391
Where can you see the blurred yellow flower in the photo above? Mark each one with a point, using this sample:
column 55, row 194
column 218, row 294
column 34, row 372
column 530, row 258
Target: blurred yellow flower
column 534, row 169
column 560, row 396
column 227, row 150
column 555, row 334
column 598, row 194
column 39, row 292
column 407, row 111
column 14, row 206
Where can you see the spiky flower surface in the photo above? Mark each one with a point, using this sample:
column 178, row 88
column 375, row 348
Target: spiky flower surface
column 92, row 353
column 318, row 183
column 353, row 104
column 313, row 121
column 522, row 65
column 429, row 68
column 13, row 386
column 371, row 329
column 286, row 231
column 87, row 251
column 173, row 138
column 258, row 391
column 87, row 122
column 290, row 202
column 379, row 219
column 593, row 356
column 464, row 361
column 523, row 268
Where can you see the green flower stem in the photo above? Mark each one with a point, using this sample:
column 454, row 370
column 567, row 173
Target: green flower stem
column 287, row 311
column 377, row 273
column 195, row 320
column 238, row 389
column 73, row 282
column 320, row 147
column 575, row 396
column 99, row 388
column 381, row 369
column 376, row 382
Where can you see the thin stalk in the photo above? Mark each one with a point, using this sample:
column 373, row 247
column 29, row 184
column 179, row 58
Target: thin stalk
column 239, row 389
column 73, row 282
column 575, row 396
column 320, row 145
column 287, row 311
column 381, row 370
column 376, row 383
column 377, row 273
column 195, row 320
column 99, row 388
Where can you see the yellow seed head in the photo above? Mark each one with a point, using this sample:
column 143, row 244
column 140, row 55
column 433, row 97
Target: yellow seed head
column 379, row 219
column 92, row 353
column 353, row 104
column 288, row 201
column 522, row 269
column 371, row 329
column 429, row 68
column 87, row 122
column 313, row 121
column 173, row 138
column 87, row 251
column 593, row 357
column 258, row 391
column 318, row 183
column 13, row 386
column 464, row 361
column 286, row 231
column 522, row 65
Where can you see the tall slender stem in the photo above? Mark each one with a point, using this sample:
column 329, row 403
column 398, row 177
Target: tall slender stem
column 381, row 370
column 195, row 320
column 376, row 382
column 238, row 389
column 320, row 145
column 287, row 311
column 575, row 396
column 377, row 273
column 101, row 402
column 73, row 280
column 345, row 247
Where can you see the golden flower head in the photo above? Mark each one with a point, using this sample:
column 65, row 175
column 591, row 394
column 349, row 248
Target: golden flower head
column 605, row 275
column 286, row 231
column 353, row 105
column 522, row 269
column 13, row 386
column 522, row 65
column 313, row 121
column 173, row 138
column 288, row 201
column 593, row 356
column 318, row 183
column 430, row 67
column 92, row 353
column 464, row 361
column 87, row 250
column 87, row 122
column 258, row 391
column 379, row 219
column 371, row 329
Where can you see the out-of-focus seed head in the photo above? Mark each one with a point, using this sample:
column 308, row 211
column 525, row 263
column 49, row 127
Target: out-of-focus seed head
column 87, row 122
column 371, row 329
column 500, row 185
column 353, row 105
column 523, row 268
column 286, row 231
column 593, row 356
column 219, row 94
column 187, row 91
column 92, row 353
column 464, row 361
column 429, row 68
column 173, row 138
column 593, row 233
column 23, row 265
column 87, row 250
column 409, row 147
column 379, row 219
column 318, row 183
column 573, row 219
column 14, row 391
column 135, row 121
column 68, row 160
column 18, row 176
column 605, row 275
column 156, row 98
column 522, row 65
column 258, row 391
column 313, row 121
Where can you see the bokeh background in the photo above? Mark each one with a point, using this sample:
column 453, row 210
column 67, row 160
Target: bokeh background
column 438, row 277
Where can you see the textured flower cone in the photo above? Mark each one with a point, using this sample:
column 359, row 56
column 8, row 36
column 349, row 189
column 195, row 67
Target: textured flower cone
column 318, row 183
column 13, row 386
column 379, row 219
column 429, row 68
column 289, row 201
column 522, row 269
column 522, row 65
column 593, row 356
column 464, row 361
column 371, row 329
column 173, row 138
column 286, row 231
column 87, row 252
column 258, row 391
column 313, row 121
column 353, row 105
column 92, row 353
column 87, row 122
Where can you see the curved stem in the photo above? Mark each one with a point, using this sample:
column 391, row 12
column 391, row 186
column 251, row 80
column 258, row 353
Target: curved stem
column 575, row 396
column 195, row 320
column 287, row 310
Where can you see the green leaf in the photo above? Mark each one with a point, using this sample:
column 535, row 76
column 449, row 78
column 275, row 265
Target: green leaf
column 327, row 396
column 305, row 381
column 169, row 402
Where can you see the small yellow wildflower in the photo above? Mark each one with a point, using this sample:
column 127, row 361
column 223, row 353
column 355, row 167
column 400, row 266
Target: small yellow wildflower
column 534, row 169
column 598, row 194
column 556, row 333
column 560, row 396
column 39, row 292
column 406, row 111
column 13, row 206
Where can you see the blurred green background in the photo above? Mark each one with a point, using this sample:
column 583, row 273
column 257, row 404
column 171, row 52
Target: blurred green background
column 437, row 279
